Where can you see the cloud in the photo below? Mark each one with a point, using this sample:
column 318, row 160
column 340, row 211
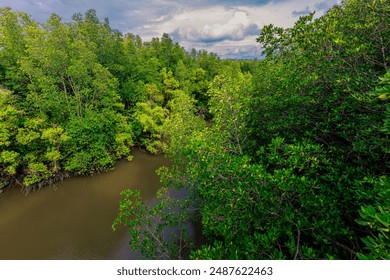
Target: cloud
column 304, row 12
column 325, row 5
column 244, row 49
column 234, row 25
column 226, row 27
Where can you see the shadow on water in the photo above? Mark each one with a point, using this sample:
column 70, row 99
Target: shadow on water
column 72, row 220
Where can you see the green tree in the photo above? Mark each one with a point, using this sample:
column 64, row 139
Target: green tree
column 13, row 26
column 150, row 226
column 293, row 156
column 9, row 117
column 228, row 104
column 377, row 218
column 377, row 215
column 151, row 120
column 98, row 139
column 160, row 232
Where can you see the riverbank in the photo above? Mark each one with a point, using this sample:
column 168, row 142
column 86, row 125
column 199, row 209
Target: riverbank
column 72, row 220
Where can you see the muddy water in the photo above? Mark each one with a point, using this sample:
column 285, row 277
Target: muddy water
column 73, row 219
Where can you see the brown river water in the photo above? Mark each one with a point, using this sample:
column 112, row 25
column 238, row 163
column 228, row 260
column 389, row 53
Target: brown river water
column 72, row 220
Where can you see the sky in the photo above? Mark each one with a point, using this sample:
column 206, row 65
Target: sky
column 228, row 28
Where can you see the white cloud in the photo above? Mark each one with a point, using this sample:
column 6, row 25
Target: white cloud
column 228, row 31
column 228, row 28
column 218, row 24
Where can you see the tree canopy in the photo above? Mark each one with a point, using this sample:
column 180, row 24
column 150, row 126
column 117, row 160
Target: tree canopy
column 293, row 162
column 77, row 96
column 281, row 158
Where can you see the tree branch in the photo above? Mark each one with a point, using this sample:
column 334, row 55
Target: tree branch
column 298, row 243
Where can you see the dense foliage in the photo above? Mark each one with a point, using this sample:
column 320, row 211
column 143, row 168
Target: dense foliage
column 294, row 163
column 75, row 97
column 281, row 158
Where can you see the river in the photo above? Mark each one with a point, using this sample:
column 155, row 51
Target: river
column 72, row 220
